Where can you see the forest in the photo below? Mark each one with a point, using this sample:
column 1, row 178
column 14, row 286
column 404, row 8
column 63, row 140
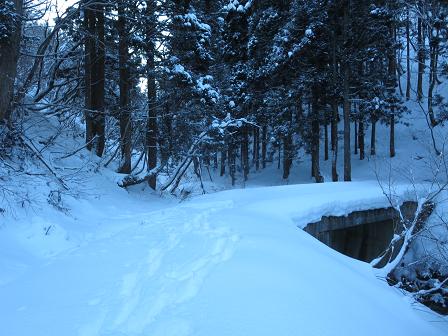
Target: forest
column 130, row 105
column 228, row 86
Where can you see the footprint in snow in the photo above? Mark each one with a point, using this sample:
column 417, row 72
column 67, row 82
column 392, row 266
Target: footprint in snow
column 172, row 272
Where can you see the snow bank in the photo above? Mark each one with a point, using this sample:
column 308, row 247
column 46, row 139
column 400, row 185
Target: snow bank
column 231, row 263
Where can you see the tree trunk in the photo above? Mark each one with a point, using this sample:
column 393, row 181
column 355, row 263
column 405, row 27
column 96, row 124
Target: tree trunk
column 334, row 142
column 433, row 53
column 361, row 140
column 334, row 126
column 346, row 103
column 373, row 138
column 398, row 66
column 94, row 78
column 392, row 88
column 347, row 152
column 392, row 136
column 264, row 145
column 166, row 144
column 408, row 56
column 245, row 152
column 420, row 58
column 287, row 155
column 223, row 163
column 315, row 139
column 215, row 161
column 89, row 52
column 326, row 142
column 151, row 130
column 256, row 148
column 313, row 161
column 125, row 113
column 98, row 88
column 101, row 118
column 315, row 152
column 288, row 152
column 356, row 137
column 9, row 57
column 232, row 163
column 279, row 157
column 335, row 114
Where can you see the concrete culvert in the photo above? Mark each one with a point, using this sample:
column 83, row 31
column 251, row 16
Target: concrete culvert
column 363, row 235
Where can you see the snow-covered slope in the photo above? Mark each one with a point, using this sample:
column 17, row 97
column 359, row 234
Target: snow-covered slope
column 231, row 263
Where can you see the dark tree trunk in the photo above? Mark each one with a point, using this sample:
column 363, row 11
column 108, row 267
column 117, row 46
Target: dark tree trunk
column 245, row 152
column 288, row 150
column 89, row 52
column 408, row 56
column 334, row 142
column 264, row 145
column 100, row 80
column 420, row 58
column 95, row 72
column 215, row 161
column 231, row 158
column 346, row 103
column 393, row 85
column 313, row 162
column 315, row 139
column 335, row 114
column 279, row 157
column 356, row 137
column 206, row 161
column 223, row 163
column 347, row 152
column 334, row 127
column 373, row 138
column 433, row 54
column 151, row 131
column 287, row 155
column 326, row 142
column 315, row 152
column 9, row 57
column 167, row 141
column 256, row 148
column 361, row 140
column 398, row 66
column 125, row 113
column 392, row 136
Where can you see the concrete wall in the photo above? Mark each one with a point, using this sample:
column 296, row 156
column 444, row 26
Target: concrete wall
column 363, row 235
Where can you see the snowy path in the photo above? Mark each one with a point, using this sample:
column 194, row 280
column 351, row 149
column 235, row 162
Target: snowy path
column 233, row 263
column 123, row 283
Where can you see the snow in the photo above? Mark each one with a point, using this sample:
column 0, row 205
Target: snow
column 192, row 19
column 8, row 19
column 235, row 5
column 207, row 89
column 236, row 262
column 180, row 70
column 230, row 263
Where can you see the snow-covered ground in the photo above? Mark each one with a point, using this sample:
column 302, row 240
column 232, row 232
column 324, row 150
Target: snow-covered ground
column 230, row 263
column 104, row 261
